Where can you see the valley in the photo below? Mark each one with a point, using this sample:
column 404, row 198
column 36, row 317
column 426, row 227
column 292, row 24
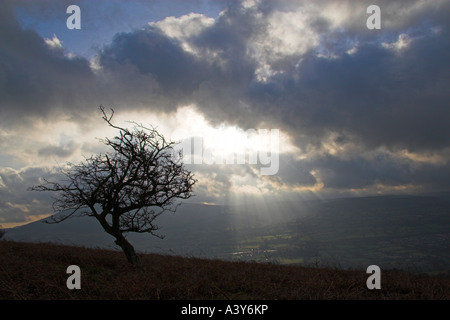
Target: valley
column 394, row 232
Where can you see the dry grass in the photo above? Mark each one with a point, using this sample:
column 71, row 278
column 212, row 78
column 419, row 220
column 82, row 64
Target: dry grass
column 38, row 271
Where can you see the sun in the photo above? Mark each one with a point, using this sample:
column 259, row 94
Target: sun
column 241, row 156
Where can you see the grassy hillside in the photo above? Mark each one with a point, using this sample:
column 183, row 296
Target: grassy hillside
column 38, row 271
column 395, row 232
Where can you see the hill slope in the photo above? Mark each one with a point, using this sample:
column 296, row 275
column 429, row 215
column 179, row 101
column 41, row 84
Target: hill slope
column 402, row 232
column 38, row 271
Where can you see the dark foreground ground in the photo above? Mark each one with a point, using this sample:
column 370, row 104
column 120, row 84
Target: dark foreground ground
column 38, row 271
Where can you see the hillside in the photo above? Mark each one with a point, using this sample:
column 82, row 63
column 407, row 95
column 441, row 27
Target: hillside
column 38, row 271
column 395, row 232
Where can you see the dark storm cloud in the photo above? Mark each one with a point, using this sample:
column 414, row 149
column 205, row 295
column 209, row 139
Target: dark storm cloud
column 293, row 173
column 61, row 151
column 400, row 101
column 377, row 95
column 17, row 203
column 373, row 97
column 172, row 77
column 385, row 170
column 379, row 172
column 35, row 79
column 152, row 68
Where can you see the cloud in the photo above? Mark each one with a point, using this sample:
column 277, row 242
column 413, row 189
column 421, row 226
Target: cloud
column 365, row 109
column 17, row 203
column 310, row 86
column 36, row 79
column 54, row 43
column 161, row 66
column 61, row 151
column 374, row 95
column 184, row 27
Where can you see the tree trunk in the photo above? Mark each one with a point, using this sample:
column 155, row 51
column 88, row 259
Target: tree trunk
column 128, row 249
column 121, row 241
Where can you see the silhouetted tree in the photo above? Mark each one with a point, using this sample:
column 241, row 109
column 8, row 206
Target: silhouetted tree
column 127, row 188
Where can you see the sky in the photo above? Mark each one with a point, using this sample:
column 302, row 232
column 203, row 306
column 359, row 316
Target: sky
column 275, row 100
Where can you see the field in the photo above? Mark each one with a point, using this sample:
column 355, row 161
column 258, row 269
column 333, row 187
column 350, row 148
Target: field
column 38, row 271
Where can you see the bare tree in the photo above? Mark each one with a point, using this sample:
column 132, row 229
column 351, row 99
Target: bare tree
column 127, row 188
